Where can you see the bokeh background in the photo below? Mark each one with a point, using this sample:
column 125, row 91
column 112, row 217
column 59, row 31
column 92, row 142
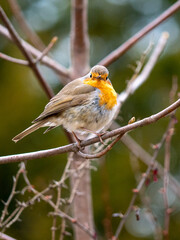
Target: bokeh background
column 111, row 22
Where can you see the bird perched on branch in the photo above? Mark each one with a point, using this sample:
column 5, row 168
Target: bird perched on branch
column 86, row 104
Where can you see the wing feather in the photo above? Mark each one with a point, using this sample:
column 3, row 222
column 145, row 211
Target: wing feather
column 73, row 94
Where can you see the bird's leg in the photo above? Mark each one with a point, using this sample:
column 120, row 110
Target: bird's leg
column 78, row 141
column 97, row 134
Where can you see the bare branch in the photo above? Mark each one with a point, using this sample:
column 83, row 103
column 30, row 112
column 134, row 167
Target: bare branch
column 136, row 83
column 47, row 49
column 145, row 157
column 38, row 59
column 62, row 71
column 141, row 183
column 57, row 212
column 167, row 162
column 5, row 237
column 103, row 152
column 14, row 60
column 74, row 148
column 13, row 192
column 31, row 35
column 113, row 56
column 27, row 55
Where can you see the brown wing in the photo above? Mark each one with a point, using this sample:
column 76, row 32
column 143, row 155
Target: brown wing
column 73, row 94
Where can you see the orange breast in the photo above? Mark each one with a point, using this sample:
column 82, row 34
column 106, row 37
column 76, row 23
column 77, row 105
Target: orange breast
column 108, row 96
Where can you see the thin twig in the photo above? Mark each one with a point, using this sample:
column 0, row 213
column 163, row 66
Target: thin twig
column 13, row 192
column 27, row 55
column 14, row 60
column 63, row 227
column 74, row 148
column 140, row 63
column 58, row 212
column 62, row 71
column 140, row 185
column 134, row 84
column 166, row 180
column 103, row 152
column 46, row 50
column 167, row 162
column 131, row 88
column 81, row 168
column 113, row 56
column 145, row 157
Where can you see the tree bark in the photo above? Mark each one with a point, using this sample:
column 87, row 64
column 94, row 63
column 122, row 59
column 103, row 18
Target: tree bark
column 82, row 202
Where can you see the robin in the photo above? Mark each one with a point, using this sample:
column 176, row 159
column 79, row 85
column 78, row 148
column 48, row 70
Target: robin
column 86, row 104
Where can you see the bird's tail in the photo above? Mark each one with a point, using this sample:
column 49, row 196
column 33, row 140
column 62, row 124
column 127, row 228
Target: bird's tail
column 27, row 131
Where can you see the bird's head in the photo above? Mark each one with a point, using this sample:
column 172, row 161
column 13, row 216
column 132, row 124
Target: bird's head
column 99, row 72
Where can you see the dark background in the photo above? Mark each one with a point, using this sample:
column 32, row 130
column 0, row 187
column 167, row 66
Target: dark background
column 111, row 22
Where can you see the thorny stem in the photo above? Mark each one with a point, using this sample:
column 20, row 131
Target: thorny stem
column 13, row 192
column 167, row 161
column 141, row 183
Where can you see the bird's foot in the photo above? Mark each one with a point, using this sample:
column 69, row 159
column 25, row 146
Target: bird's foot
column 98, row 135
column 78, row 141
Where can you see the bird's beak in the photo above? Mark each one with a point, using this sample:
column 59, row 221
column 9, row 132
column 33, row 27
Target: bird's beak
column 99, row 77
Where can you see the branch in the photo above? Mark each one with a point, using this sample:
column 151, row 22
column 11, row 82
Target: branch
column 47, row 49
column 31, row 35
column 14, row 60
column 74, row 148
column 141, row 183
column 167, row 159
column 62, row 71
column 103, row 152
column 145, row 157
column 38, row 59
column 136, row 83
column 113, row 56
column 12, row 194
column 27, row 55
column 79, row 38
column 5, row 237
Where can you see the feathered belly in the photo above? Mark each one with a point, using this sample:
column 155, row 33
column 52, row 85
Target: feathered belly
column 91, row 116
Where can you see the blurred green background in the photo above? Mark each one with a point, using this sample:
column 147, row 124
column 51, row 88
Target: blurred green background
column 111, row 22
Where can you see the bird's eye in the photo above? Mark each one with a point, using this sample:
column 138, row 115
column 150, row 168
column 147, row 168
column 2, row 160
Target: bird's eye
column 90, row 75
column 106, row 78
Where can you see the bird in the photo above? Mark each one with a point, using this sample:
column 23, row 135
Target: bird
column 85, row 105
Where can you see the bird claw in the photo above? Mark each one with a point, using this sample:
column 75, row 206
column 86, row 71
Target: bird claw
column 100, row 135
column 78, row 141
